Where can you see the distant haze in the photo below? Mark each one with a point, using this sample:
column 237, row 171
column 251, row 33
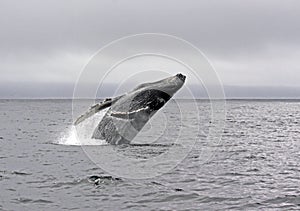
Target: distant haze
column 254, row 45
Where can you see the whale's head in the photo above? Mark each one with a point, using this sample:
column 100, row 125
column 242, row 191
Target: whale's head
column 154, row 95
column 168, row 85
column 149, row 96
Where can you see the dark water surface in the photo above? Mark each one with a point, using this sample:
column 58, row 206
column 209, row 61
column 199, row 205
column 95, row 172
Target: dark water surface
column 256, row 165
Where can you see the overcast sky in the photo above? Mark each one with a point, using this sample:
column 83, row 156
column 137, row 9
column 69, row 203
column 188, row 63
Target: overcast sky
column 251, row 43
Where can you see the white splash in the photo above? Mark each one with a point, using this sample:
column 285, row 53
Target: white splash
column 82, row 133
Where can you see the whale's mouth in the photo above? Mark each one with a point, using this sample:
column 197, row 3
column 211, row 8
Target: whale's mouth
column 181, row 77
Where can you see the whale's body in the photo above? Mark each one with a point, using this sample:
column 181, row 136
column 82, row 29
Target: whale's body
column 129, row 113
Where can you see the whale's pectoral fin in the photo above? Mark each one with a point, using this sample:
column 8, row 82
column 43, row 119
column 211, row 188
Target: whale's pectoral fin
column 94, row 109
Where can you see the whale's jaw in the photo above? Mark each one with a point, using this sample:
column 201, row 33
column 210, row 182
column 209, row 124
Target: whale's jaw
column 128, row 115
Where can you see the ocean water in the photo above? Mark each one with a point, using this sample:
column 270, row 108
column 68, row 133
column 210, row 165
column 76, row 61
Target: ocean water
column 46, row 164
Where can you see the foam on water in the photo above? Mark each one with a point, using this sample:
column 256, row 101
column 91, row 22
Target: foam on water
column 82, row 133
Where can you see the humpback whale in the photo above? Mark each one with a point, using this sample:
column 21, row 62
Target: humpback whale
column 128, row 113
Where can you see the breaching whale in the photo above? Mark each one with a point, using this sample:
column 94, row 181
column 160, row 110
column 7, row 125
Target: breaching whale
column 129, row 113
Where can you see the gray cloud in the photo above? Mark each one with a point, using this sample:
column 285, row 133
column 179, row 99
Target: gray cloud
column 250, row 42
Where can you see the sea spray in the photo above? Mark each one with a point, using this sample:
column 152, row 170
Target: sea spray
column 82, row 133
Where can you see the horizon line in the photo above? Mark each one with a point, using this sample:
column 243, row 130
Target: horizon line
column 230, row 98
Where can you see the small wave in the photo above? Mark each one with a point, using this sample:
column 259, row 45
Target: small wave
column 38, row 201
column 97, row 180
column 20, row 173
column 82, row 133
